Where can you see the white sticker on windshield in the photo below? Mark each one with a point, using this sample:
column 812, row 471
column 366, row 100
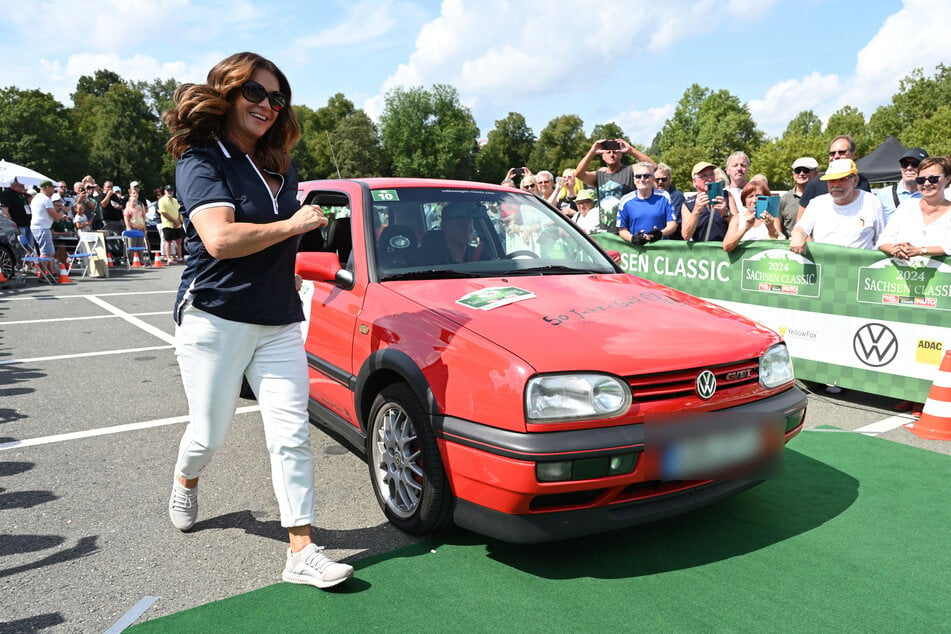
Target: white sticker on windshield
column 489, row 298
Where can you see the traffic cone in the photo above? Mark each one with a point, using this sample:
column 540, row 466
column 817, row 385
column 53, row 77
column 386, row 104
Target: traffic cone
column 3, row 278
column 109, row 260
column 157, row 260
column 935, row 420
column 136, row 263
column 63, row 276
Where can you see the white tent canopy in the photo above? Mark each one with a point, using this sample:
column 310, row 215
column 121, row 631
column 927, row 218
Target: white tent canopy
column 30, row 178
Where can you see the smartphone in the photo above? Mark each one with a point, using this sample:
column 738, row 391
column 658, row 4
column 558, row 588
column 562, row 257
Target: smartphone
column 519, row 171
column 714, row 190
column 611, row 144
column 767, row 204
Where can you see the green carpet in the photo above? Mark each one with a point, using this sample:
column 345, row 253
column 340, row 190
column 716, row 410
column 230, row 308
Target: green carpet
column 855, row 535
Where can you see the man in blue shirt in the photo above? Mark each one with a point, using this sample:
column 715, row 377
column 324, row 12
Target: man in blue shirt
column 644, row 215
column 906, row 188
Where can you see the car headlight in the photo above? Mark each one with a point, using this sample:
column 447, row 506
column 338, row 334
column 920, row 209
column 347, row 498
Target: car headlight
column 563, row 397
column 775, row 367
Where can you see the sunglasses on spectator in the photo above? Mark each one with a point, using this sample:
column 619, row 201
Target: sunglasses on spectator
column 839, row 152
column 906, row 165
column 661, row 179
column 530, row 186
column 921, row 180
column 543, row 182
column 255, row 93
column 643, row 176
column 802, row 170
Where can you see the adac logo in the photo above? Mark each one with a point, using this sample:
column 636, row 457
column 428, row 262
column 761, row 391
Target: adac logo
column 706, row 385
column 875, row 345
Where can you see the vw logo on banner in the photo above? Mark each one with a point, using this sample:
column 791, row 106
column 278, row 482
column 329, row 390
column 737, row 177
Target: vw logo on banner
column 875, row 345
column 706, row 384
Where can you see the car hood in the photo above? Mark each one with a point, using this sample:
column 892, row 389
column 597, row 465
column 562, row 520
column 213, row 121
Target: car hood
column 615, row 323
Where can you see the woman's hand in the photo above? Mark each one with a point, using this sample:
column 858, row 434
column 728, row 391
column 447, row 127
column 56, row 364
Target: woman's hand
column 308, row 218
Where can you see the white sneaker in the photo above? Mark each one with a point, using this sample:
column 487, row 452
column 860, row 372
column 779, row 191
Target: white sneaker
column 183, row 506
column 312, row 567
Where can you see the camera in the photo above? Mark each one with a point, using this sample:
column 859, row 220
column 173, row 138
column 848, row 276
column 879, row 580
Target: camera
column 610, row 145
column 519, row 171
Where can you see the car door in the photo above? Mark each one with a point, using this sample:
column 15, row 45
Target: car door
column 333, row 310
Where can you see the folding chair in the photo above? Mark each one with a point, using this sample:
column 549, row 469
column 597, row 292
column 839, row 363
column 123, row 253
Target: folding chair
column 135, row 243
column 85, row 249
column 34, row 264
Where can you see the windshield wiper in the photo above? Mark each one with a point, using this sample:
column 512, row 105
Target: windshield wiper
column 550, row 268
column 428, row 274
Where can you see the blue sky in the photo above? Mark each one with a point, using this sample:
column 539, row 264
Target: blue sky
column 628, row 61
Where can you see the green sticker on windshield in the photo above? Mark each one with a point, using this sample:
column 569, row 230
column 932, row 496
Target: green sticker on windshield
column 385, row 195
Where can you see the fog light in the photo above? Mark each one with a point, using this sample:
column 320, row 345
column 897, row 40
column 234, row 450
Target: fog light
column 622, row 464
column 553, row 471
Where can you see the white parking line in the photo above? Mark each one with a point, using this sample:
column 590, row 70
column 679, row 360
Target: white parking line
column 135, row 321
column 886, row 424
column 46, row 321
column 130, row 617
column 34, row 298
column 100, row 353
column 105, row 431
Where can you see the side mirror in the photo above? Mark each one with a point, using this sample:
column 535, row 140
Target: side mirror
column 322, row 267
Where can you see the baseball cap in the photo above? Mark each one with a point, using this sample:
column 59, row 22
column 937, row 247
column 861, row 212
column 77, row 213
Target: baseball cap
column 586, row 194
column 806, row 161
column 46, row 184
column 169, row 188
column 699, row 167
column 839, row 168
column 116, row 189
column 134, row 184
column 56, row 197
column 915, row 154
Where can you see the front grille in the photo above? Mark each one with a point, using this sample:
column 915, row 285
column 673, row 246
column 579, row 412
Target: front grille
column 680, row 383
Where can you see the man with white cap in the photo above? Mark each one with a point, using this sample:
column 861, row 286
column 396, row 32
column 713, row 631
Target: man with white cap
column 804, row 170
column 906, row 188
column 705, row 219
column 846, row 216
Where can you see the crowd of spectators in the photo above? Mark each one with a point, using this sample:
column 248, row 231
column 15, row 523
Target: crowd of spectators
column 640, row 203
column 49, row 217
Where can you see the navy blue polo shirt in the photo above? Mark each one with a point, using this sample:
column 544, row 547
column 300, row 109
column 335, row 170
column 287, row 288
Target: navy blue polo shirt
column 257, row 288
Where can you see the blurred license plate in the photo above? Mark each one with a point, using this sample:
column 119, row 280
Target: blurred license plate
column 708, row 456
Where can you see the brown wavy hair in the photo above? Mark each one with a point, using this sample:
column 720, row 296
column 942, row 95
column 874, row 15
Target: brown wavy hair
column 198, row 113
column 943, row 162
column 753, row 187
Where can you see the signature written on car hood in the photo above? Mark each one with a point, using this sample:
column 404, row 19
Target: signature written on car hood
column 614, row 323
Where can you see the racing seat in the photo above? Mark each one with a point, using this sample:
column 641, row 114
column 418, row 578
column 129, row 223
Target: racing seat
column 396, row 247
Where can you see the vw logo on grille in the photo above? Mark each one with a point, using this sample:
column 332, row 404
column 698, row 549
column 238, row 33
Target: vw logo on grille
column 706, row 384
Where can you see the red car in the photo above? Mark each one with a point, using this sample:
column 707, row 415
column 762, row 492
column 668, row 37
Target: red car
column 496, row 368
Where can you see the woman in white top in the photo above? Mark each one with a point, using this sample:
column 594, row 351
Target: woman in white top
column 922, row 226
column 744, row 225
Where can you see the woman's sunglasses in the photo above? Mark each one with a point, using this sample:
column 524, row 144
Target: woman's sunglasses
column 921, row 180
column 255, row 93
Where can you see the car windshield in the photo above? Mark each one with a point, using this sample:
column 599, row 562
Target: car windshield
column 431, row 232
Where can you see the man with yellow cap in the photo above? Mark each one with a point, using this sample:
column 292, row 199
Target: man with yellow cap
column 846, row 216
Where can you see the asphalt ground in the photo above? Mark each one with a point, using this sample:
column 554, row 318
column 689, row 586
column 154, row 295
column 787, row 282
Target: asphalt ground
column 91, row 413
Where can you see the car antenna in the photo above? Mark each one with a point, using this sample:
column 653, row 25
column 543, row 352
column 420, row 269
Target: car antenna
column 332, row 155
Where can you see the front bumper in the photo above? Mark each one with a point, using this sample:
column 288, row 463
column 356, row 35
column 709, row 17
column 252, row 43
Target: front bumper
column 492, row 473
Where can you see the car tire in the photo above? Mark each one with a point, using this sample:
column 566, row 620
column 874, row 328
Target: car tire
column 8, row 263
column 406, row 470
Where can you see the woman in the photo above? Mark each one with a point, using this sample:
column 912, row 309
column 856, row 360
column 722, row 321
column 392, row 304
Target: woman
column 238, row 311
column 134, row 212
column 922, row 226
column 744, row 225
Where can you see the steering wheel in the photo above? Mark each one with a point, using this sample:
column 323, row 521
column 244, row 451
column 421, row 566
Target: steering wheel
column 522, row 253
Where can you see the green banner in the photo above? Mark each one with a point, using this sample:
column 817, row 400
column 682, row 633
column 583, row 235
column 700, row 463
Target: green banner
column 851, row 317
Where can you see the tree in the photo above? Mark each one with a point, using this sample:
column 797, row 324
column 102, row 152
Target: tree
column 159, row 97
column 35, row 131
column 930, row 133
column 806, row 123
column 850, row 120
column 915, row 115
column 337, row 139
column 560, row 145
column 428, row 133
column 97, row 85
column 509, row 144
column 355, row 148
column 775, row 157
column 706, row 126
column 124, row 139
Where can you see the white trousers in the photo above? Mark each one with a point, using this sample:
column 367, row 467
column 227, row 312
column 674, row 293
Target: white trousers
column 213, row 355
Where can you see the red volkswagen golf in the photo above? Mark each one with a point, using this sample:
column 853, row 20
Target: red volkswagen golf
column 496, row 369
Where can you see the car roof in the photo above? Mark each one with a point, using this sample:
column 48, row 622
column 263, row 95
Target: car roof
column 389, row 182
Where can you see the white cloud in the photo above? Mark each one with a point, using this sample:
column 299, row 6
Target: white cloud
column 365, row 21
column 788, row 98
column 641, row 126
